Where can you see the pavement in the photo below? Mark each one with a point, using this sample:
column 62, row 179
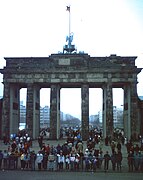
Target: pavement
column 46, row 175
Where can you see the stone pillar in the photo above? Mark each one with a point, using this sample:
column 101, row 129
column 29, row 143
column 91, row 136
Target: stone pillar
column 33, row 111
column 36, row 112
column 135, row 124
column 55, row 112
column 127, row 111
column 11, row 110
column 104, row 111
column 131, row 117
column 1, row 101
column 141, row 116
column 6, row 111
column 85, row 111
column 107, row 110
column 14, row 109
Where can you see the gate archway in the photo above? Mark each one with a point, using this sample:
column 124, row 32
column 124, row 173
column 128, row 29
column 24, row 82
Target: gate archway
column 69, row 70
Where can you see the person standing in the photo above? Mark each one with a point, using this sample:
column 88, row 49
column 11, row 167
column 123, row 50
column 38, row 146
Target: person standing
column 107, row 158
column 114, row 160
column 77, row 161
column 32, row 160
column 40, row 141
column 51, row 160
column 119, row 146
column 130, row 161
column 5, row 159
column 119, row 160
column 39, row 159
column 45, row 160
column 72, row 160
column 1, row 158
column 100, row 159
column 136, row 161
column 16, row 157
column 95, row 164
column 22, row 157
column 61, row 160
column 67, row 161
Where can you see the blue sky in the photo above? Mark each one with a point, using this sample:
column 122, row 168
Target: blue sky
column 101, row 27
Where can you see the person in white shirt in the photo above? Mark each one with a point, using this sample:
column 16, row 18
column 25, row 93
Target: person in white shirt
column 72, row 160
column 67, row 161
column 39, row 159
column 61, row 160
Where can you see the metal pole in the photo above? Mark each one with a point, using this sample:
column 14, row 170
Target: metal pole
column 69, row 40
column 68, row 9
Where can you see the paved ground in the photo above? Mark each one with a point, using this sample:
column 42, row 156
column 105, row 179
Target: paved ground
column 45, row 175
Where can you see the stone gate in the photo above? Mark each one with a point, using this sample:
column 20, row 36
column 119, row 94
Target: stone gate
column 77, row 70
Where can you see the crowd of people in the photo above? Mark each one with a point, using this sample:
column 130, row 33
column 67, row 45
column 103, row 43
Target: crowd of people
column 72, row 155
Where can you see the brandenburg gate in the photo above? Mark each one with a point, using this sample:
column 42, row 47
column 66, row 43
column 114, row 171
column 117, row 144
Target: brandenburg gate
column 69, row 70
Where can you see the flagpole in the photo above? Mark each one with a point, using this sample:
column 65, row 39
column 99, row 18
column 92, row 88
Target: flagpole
column 69, row 47
column 69, row 25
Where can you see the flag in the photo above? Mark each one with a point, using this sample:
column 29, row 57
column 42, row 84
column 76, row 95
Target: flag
column 68, row 8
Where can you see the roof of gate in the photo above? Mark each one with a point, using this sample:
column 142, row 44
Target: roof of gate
column 70, row 62
column 57, row 60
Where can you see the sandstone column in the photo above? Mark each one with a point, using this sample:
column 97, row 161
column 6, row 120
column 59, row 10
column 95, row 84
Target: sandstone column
column 141, row 116
column 6, row 111
column 33, row 110
column 55, row 112
column 14, row 109
column 127, row 111
column 135, row 124
column 36, row 111
column 104, row 111
column 85, row 111
column 131, row 117
column 11, row 110
column 107, row 110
